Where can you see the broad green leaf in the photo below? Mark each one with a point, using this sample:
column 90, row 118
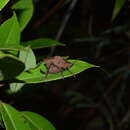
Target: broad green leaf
column 37, row 75
column 12, row 119
column 36, row 121
column 28, row 57
column 10, row 33
column 25, row 12
column 10, row 66
column 117, row 7
column 42, row 43
column 3, row 3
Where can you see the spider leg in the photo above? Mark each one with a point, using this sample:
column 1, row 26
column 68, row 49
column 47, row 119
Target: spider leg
column 61, row 70
column 68, row 68
column 70, row 72
column 46, row 73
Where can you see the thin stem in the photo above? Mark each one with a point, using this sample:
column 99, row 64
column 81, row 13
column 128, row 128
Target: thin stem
column 63, row 24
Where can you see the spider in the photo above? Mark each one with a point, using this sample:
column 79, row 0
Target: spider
column 56, row 64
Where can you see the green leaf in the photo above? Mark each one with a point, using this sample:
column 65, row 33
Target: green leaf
column 10, row 33
column 36, row 76
column 42, row 43
column 15, row 87
column 28, row 57
column 25, row 12
column 10, row 66
column 12, row 119
column 37, row 122
column 3, row 3
column 118, row 5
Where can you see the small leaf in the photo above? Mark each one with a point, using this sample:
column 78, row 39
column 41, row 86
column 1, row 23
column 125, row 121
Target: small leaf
column 118, row 5
column 25, row 8
column 36, row 76
column 3, row 3
column 12, row 119
column 10, row 66
column 37, row 122
column 15, row 87
column 28, row 57
column 42, row 43
column 10, row 33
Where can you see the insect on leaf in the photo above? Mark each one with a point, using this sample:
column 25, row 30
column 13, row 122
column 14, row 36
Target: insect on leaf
column 39, row 74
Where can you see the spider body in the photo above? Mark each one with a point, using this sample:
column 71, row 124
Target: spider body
column 56, row 64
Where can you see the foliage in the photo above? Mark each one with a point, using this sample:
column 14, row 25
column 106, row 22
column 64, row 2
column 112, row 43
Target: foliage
column 21, row 67
column 15, row 120
column 18, row 66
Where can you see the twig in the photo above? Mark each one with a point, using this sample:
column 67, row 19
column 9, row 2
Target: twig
column 64, row 23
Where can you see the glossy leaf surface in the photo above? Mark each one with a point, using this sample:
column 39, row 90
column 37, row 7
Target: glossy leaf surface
column 27, row 56
column 10, row 33
column 26, row 11
column 12, row 119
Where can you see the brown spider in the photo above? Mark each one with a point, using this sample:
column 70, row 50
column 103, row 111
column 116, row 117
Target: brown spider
column 56, row 64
